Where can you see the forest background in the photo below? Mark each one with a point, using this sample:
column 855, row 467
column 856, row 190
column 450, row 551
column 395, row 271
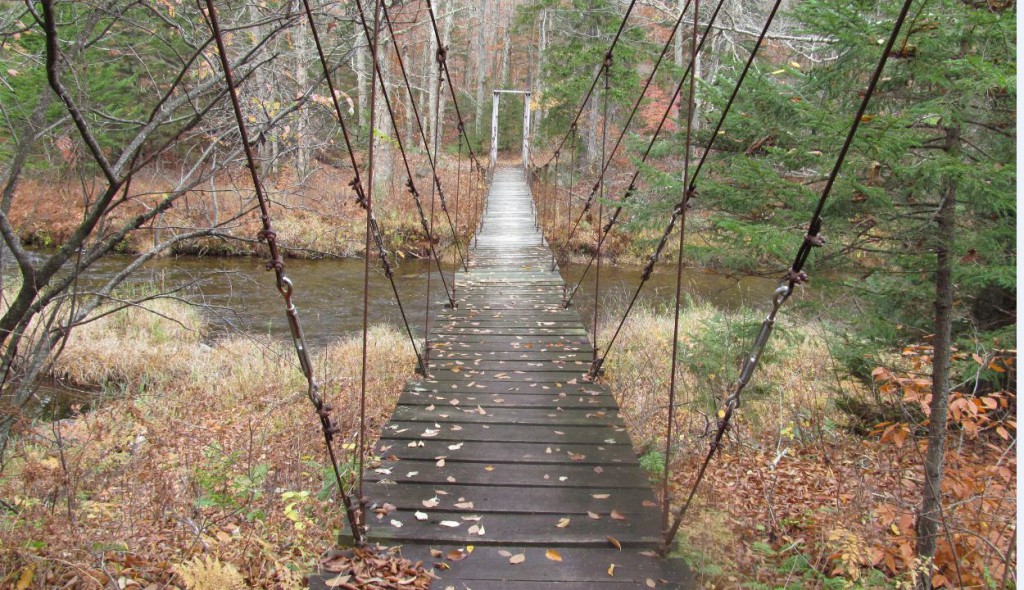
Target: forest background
column 118, row 138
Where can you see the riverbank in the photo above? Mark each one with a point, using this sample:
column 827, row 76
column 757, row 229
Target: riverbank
column 205, row 457
column 195, row 450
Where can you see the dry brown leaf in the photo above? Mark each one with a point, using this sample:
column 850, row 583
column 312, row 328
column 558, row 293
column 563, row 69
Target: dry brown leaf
column 649, row 583
column 615, row 542
column 593, row 515
column 562, row 523
column 517, row 558
column 338, row 580
column 553, row 555
column 617, row 515
column 611, row 570
column 456, row 555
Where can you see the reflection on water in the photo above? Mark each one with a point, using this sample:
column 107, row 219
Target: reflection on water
column 238, row 294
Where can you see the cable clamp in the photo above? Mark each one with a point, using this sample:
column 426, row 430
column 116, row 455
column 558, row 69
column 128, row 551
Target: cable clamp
column 814, row 240
column 796, row 277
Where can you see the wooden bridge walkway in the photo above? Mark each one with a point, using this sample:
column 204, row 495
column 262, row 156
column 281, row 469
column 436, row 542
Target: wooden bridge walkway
column 506, row 447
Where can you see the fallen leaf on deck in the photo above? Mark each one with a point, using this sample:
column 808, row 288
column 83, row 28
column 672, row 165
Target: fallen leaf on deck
column 600, row 496
column 504, row 553
column 464, row 505
column 611, row 570
column 614, row 542
column 337, row 580
column 593, row 515
column 562, row 523
column 489, row 468
column 576, row 456
column 420, row 515
column 456, row 555
column 431, row 503
column 450, row 523
column 650, row 583
column 396, row 523
column 617, row 516
column 455, row 447
column 553, row 555
column 517, row 558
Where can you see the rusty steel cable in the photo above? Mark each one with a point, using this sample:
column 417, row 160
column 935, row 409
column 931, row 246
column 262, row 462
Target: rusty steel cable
column 410, row 183
column 284, row 284
column 692, row 190
column 568, row 213
column 374, row 77
column 426, row 311
column 650, row 146
column 597, row 77
column 796, row 275
column 608, row 60
column 431, row 158
column 451, row 86
column 691, row 104
column 458, row 184
column 357, row 186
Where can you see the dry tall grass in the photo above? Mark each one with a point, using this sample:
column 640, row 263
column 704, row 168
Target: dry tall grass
column 795, row 498
column 214, row 450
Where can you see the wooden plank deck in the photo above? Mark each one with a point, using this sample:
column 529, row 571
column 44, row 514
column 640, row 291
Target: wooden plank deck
column 505, row 446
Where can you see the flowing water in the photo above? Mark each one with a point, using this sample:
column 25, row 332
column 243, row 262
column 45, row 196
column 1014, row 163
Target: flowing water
column 238, row 294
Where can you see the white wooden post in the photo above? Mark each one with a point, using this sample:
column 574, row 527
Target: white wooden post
column 494, row 129
column 526, row 130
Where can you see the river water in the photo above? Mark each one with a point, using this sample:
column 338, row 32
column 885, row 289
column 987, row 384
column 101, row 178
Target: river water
column 238, row 294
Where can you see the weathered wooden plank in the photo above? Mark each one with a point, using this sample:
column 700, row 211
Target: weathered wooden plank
column 477, row 414
column 596, row 435
column 414, row 471
column 518, row 529
column 490, row 452
column 567, row 502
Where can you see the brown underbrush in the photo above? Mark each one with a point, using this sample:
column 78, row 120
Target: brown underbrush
column 315, row 216
column 205, row 460
column 796, row 498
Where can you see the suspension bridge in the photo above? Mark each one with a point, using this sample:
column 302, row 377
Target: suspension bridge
column 506, row 463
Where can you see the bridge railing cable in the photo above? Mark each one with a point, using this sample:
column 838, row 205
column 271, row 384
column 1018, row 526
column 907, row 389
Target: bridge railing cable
column 631, row 188
column 431, row 157
column 606, row 162
column 284, row 284
column 691, row 191
column 359, row 189
column 443, row 58
column 597, row 78
column 410, row 183
column 794, row 276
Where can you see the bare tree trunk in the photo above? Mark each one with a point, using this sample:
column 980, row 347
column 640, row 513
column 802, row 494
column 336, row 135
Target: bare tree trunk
column 506, row 54
column 446, row 33
column 481, row 65
column 362, row 85
column 302, row 58
column 929, row 516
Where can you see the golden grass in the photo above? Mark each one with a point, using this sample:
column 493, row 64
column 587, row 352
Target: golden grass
column 217, row 452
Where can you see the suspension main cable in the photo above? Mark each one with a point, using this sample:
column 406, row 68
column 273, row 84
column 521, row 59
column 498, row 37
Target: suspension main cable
column 357, row 186
column 431, row 158
column 691, row 104
column 597, row 77
column 374, row 77
column 600, row 203
column 411, row 183
column 795, row 276
column 654, row 137
column 284, row 284
column 448, row 77
column 691, row 192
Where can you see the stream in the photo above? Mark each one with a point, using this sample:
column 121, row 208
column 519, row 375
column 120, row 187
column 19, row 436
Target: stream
column 238, row 294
